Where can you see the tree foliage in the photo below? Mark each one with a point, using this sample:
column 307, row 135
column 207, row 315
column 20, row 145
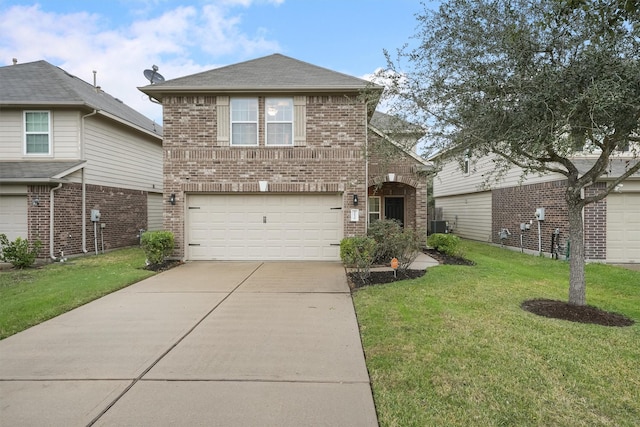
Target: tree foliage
column 530, row 83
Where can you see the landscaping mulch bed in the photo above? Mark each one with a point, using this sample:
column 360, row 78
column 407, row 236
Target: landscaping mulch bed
column 166, row 265
column 382, row 277
column 575, row 313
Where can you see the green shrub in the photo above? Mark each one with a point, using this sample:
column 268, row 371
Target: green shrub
column 18, row 252
column 157, row 246
column 408, row 245
column 392, row 241
column 448, row 244
column 386, row 233
column 358, row 252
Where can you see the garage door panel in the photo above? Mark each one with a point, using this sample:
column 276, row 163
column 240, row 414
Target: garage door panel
column 13, row 216
column 264, row 227
column 623, row 228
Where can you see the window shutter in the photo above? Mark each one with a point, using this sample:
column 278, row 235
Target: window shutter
column 224, row 122
column 299, row 120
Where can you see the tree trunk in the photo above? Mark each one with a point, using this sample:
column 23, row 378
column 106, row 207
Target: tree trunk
column 577, row 285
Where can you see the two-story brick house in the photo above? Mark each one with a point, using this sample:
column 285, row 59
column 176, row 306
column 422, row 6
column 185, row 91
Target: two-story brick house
column 268, row 159
column 67, row 149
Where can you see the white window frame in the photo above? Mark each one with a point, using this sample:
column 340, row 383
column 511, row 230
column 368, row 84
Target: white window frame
column 276, row 121
column 378, row 212
column 466, row 167
column 232, row 121
column 27, row 133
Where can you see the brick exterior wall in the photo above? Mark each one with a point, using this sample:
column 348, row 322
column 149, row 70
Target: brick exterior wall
column 330, row 161
column 124, row 213
column 514, row 205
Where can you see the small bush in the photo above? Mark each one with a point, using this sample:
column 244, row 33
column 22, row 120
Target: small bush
column 18, row 252
column 448, row 244
column 407, row 246
column 386, row 233
column 358, row 252
column 157, row 246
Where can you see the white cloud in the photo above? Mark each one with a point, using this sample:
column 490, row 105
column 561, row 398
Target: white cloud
column 81, row 42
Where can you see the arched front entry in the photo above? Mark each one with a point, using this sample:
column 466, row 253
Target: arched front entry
column 393, row 200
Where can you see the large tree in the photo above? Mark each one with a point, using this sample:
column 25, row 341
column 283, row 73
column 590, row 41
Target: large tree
column 529, row 82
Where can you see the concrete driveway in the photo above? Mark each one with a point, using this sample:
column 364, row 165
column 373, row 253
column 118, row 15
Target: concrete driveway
column 207, row 343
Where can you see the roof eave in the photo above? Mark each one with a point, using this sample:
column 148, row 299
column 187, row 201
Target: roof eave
column 160, row 91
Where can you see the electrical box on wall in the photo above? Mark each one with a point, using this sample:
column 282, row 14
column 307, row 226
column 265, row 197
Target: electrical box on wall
column 540, row 214
column 95, row 215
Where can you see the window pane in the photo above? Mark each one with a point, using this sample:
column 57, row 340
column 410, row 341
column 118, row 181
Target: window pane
column 244, row 134
column 374, row 204
column 279, row 134
column 38, row 143
column 244, row 110
column 279, row 109
column 373, row 217
column 37, row 122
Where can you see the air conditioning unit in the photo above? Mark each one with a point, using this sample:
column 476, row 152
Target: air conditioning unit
column 439, row 227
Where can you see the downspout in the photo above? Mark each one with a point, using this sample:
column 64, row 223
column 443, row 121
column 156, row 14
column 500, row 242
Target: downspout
column 366, row 167
column 83, row 214
column 51, row 218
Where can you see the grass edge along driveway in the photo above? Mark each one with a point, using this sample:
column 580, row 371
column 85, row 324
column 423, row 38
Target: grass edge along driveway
column 454, row 347
column 31, row 296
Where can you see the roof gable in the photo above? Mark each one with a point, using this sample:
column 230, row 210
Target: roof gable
column 41, row 84
column 273, row 73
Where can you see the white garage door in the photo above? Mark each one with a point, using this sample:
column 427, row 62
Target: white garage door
column 623, row 228
column 13, row 216
column 264, row 227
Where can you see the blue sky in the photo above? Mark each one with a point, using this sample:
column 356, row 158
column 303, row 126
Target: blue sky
column 120, row 38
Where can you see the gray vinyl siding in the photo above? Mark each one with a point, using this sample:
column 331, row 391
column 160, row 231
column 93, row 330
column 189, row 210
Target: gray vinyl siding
column 469, row 215
column 118, row 157
column 65, row 130
column 451, row 180
column 154, row 211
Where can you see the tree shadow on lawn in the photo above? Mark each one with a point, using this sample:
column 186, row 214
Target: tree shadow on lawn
column 541, row 307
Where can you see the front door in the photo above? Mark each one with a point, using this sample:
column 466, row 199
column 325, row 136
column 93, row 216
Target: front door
column 394, row 209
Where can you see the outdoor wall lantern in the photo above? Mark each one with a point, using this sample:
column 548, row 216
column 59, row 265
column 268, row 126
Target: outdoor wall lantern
column 36, row 201
column 172, row 199
column 355, row 200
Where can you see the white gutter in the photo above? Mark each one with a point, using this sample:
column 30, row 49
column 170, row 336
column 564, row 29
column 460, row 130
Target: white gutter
column 51, row 218
column 366, row 169
column 84, row 185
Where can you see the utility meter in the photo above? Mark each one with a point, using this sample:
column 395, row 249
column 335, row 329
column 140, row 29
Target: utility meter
column 95, row 215
column 540, row 214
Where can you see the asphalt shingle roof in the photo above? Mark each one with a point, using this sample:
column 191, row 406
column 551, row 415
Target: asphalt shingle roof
column 43, row 84
column 36, row 171
column 270, row 73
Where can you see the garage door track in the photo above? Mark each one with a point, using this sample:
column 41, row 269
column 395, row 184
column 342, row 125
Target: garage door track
column 206, row 343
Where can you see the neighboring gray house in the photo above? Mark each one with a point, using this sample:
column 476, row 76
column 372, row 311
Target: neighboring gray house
column 67, row 148
column 476, row 211
column 268, row 160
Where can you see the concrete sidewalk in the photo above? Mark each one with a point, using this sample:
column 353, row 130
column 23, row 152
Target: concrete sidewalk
column 228, row 344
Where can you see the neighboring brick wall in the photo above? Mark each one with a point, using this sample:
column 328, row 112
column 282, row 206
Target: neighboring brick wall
column 595, row 225
column 331, row 161
column 124, row 213
column 515, row 205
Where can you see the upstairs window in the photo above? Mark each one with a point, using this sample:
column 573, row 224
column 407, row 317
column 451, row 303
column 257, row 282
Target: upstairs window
column 244, row 121
column 37, row 132
column 279, row 121
column 465, row 166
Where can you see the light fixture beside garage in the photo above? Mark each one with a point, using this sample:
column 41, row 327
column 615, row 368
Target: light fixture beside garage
column 355, row 200
column 36, row 201
column 172, row 198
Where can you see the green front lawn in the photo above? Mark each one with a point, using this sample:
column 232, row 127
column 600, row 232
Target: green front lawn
column 454, row 348
column 31, row 296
